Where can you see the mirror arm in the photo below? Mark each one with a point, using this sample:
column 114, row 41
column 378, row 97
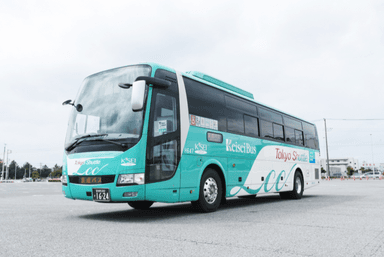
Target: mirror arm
column 78, row 107
column 156, row 82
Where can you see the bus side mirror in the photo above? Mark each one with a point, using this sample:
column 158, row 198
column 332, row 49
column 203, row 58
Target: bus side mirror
column 138, row 94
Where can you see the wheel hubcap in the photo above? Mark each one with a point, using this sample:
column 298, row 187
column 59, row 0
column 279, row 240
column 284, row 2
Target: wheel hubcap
column 298, row 185
column 210, row 190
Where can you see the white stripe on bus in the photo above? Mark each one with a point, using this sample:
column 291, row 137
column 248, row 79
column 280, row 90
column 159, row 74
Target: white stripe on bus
column 184, row 112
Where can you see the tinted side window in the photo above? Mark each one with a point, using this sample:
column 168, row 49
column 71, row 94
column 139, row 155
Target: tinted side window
column 240, row 105
column 165, row 117
column 310, row 136
column 206, row 101
column 270, row 116
column 292, row 123
column 266, row 129
column 235, row 122
column 290, row 135
column 278, row 133
column 299, row 137
column 251, row 126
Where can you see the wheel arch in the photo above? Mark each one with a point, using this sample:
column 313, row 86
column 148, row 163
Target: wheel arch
column 215, row 165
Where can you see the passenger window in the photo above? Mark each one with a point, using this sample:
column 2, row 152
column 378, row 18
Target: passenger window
column 266, row 129
column 278, row 133
column 165, row 119
column 251, row 126
column 299, row 137
column 310, row 136
column 270, row 116
column 290, row 135
column 235, row 122
column 292, row 123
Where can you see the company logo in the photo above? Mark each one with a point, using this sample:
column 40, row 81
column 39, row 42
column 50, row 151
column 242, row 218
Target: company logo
column 91, row 171
column 128, row 162
column 79, row 162
column 281, row 155
column 87, row 162
column 302, row 158
column 201, row 148
column 239, row 148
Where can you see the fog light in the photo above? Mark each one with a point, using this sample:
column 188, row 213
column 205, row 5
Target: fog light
column 130, row 194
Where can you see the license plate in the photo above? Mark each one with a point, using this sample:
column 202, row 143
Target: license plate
column 101, row 195
column 90, row 180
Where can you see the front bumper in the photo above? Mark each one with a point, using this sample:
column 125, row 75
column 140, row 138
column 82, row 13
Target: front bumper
column 84, row 192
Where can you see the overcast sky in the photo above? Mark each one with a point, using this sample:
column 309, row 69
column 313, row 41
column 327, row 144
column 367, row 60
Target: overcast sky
column 312, row 59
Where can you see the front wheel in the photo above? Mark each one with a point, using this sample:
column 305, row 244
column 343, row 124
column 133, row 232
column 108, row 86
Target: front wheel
column 298, row 188
column 141, row 205
column 210, row 193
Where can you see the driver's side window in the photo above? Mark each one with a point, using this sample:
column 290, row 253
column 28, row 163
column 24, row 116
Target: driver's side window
column 165, row 118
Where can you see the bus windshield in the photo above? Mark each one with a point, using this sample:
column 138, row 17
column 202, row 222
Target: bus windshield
column 106, row 108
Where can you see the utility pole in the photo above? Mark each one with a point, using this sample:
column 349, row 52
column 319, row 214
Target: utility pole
column 2, row 169
column 326, row 143
column 7, row 173
column 15, row 171
column 373, row 163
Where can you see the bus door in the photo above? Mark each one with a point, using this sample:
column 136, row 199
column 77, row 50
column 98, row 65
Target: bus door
column 163, row 146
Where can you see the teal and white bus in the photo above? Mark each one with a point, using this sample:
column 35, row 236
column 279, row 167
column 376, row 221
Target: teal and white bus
column 147, row 133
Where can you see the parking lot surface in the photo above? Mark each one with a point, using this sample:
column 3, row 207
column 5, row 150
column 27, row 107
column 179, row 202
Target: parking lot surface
column 336, row 218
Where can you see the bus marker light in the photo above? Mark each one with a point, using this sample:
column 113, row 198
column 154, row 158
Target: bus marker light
column 191, row 191
column 233, row 165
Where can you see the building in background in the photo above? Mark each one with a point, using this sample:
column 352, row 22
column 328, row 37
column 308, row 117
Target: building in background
column 374, row 166
column 338, row 167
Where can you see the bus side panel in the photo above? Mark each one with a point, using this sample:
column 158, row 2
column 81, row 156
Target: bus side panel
column 165, row 191
column 274, row 170
column 238, row 171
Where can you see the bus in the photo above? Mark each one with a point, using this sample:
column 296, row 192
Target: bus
column 146, row 133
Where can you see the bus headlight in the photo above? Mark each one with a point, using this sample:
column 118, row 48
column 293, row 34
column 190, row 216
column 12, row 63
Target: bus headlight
column 64, row 180
column 125, row 179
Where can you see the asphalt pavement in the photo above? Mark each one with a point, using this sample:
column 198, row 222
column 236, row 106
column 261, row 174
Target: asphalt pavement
column 335, row 218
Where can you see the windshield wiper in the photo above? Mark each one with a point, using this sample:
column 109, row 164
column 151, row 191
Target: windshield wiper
column 78, row 141
column 112, row 142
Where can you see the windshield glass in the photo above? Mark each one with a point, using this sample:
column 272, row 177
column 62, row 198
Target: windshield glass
column 107, row 107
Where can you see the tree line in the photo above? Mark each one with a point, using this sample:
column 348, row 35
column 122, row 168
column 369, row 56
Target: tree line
column 27, row 168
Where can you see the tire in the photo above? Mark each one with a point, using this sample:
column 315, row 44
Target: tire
column 210, row 193
column 141, row 205
column 298, row 188
column 247, row 196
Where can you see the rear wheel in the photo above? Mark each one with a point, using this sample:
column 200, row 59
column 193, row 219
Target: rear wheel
column 298, row 188
column 141, row 205
column 210, row 193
